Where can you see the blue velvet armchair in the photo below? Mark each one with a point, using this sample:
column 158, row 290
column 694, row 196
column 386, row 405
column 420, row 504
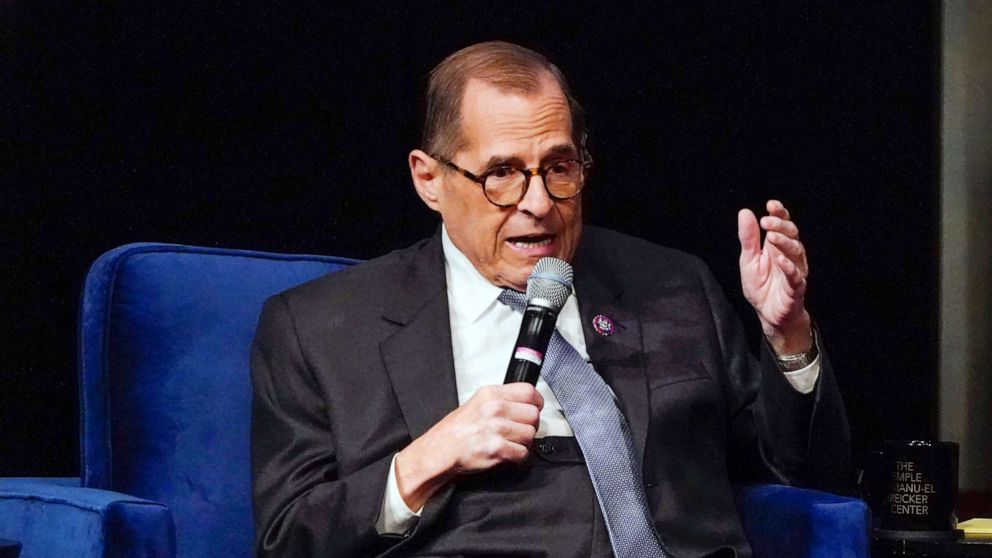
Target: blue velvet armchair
column 165, row 406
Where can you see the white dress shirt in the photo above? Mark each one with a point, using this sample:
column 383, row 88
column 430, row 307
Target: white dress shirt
column 483, row 331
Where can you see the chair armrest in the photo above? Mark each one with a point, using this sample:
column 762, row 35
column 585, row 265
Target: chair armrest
column 56, row 517
column 783, row 521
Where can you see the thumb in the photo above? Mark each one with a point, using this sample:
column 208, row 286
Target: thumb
column 749, row 234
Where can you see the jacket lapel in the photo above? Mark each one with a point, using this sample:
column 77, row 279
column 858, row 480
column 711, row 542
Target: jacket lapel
column 417, row 357
column 618, row 358
column 418, row 360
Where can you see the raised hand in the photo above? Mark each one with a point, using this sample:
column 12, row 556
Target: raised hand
column 773, row 277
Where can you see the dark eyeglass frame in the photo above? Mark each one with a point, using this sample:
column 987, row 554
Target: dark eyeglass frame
column 528, row 174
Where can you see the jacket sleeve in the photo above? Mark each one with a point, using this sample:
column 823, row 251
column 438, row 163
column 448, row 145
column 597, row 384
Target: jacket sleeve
column 779, row 433
column 302, row 504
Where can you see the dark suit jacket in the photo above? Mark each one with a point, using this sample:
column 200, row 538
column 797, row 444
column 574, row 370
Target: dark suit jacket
column 349, row 368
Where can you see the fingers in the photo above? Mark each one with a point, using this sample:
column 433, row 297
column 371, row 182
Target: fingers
column 788, row 246
column 793, row 274
column 496, row 425
column 777, row 209
column 779, row 225
column 519, row 402
column 783, row 234
column 510, row 452
column 495, row 441
column 520, row 392
column 517, row 433
column 776, row 286
column 511, row 411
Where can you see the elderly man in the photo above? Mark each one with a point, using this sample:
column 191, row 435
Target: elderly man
column 381, row 425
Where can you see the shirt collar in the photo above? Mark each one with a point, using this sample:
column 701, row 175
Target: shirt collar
column 469, row 293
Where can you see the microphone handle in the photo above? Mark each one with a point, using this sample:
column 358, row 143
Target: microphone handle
column 532, row 343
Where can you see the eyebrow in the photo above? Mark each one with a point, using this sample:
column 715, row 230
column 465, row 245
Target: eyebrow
column 560, row 150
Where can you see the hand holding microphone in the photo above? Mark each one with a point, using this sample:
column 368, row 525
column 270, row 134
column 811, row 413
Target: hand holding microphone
column 496, row 425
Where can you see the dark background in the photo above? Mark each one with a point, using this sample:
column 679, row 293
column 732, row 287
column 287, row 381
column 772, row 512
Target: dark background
column 287, row 129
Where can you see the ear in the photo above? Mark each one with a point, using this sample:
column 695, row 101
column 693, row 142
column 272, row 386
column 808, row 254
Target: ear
column 426, row 177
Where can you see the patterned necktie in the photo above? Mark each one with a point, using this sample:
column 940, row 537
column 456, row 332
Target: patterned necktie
column 604, row 436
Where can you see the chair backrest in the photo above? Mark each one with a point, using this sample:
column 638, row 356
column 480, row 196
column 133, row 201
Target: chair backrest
column 165, row 332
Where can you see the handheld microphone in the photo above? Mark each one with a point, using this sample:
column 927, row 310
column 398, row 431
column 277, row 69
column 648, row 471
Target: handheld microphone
column 548, row 287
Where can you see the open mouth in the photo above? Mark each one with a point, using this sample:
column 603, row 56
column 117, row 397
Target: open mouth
column 531, row 241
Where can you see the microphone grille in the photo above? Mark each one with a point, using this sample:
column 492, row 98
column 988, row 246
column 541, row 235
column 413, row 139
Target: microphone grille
column 551, row 280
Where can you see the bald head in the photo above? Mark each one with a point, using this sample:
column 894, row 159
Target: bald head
column 507, row 67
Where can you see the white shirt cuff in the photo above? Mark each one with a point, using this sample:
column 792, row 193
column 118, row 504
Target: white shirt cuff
column 804, row 379
column 395, row 518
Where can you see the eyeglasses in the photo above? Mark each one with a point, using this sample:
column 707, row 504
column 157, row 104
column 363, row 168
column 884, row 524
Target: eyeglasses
column 505, row 186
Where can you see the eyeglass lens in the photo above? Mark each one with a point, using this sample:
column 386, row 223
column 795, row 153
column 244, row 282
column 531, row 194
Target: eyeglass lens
column 507, row 185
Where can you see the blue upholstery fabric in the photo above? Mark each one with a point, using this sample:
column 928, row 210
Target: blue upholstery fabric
column 782, row 521
column 166, row 398
column 55, row 519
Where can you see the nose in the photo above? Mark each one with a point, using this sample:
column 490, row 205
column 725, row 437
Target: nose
column 536, row 200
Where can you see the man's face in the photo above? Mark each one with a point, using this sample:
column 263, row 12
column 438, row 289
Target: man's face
column 524, row 131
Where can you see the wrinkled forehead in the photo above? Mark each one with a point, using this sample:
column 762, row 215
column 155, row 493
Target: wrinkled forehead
column 495, row 118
